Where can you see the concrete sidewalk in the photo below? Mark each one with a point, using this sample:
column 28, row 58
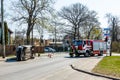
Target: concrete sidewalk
column 2, row 59
column 88, row 64
column 91, row 61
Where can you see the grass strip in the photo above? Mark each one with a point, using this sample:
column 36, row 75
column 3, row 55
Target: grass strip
column 109, row 65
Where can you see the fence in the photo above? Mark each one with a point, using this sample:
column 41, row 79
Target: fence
column 11, row 50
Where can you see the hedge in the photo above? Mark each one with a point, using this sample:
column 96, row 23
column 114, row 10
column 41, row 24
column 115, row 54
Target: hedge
column 116, row 46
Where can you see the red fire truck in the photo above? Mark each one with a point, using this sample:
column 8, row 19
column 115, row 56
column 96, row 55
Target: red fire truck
column 87, row 48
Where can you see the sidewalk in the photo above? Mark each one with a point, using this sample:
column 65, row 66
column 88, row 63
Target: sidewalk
column 2, row 59
column 87, row 65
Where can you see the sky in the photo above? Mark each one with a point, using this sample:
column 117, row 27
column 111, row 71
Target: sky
column 102, row 7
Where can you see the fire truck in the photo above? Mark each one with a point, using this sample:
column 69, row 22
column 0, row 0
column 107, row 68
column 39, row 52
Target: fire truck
column 87, row 48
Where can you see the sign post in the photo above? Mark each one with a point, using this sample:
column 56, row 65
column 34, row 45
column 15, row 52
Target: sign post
column 108, row 40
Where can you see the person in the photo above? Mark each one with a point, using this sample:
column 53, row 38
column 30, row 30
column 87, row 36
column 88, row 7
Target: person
column 50, row 55
column 85, row 46
column 68, row 48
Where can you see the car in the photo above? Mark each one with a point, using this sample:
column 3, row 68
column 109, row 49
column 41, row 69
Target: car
column 49, row 49
column 24, row 52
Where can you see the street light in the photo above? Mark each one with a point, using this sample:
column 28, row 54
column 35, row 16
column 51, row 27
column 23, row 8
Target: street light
column 2, row 23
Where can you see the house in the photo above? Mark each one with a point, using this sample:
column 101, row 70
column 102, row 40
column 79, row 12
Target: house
column 9, row 32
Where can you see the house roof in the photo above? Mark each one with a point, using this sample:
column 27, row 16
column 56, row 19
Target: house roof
column 8, row 28
column 10, row 31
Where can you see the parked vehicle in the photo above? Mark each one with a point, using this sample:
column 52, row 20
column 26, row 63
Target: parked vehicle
column 87, row 48
column 24, row 52
column 49, row 49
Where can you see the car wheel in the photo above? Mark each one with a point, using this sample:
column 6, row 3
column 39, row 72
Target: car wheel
column 101, row 53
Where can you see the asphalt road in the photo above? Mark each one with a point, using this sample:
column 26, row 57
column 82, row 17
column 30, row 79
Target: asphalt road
column 44, row 68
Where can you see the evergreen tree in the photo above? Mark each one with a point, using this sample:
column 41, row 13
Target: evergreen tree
column 6, row 33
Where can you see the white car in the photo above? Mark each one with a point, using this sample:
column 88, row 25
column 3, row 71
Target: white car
column 49, row 49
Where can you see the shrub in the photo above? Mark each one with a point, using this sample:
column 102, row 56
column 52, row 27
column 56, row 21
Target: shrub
column 116, row 46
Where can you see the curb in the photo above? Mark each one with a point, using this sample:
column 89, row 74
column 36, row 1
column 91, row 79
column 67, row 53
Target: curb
column 94, row 74
column 3, row 59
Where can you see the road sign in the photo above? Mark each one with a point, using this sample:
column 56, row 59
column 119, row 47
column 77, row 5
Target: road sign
column 106, row 31
column 106, row 34
column 106, row 28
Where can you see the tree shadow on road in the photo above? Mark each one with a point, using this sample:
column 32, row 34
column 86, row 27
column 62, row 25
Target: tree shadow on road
column 75, row 57
column 84, row 57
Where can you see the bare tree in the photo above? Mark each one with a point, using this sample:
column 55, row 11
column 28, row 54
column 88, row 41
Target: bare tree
column 77, row 15
column 90, row 24
column 114, row 23
column 39, row 28
column 31, row 12
column 19, row 36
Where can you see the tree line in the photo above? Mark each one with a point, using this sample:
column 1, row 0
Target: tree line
column 75, row 20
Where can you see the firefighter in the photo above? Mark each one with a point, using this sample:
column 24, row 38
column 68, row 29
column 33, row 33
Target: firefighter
column 85, row 46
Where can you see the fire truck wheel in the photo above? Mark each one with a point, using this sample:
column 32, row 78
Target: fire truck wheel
column 101, row 53
column 92, row 54
column 86, row 54
column 77, row 55
column 71, row 54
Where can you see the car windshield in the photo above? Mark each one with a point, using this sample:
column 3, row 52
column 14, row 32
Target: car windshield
column 76, row 43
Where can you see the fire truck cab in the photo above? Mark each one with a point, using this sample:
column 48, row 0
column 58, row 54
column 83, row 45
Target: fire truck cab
column 87, row 48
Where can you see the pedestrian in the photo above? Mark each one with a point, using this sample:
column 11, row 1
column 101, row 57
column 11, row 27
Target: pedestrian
column 50, row 55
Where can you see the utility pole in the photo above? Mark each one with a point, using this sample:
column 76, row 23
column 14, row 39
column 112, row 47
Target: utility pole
column 2, row 22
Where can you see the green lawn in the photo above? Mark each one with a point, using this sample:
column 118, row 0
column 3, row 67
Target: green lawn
column 109, row 65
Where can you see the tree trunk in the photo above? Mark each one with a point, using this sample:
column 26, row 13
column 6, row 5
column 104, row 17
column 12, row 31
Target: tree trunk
column 75, row 33
column 28, row 38
column 88, row 37
column 113, row 30
column 78, row 34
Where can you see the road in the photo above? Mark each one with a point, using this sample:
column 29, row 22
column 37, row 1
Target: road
column 44, row 68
